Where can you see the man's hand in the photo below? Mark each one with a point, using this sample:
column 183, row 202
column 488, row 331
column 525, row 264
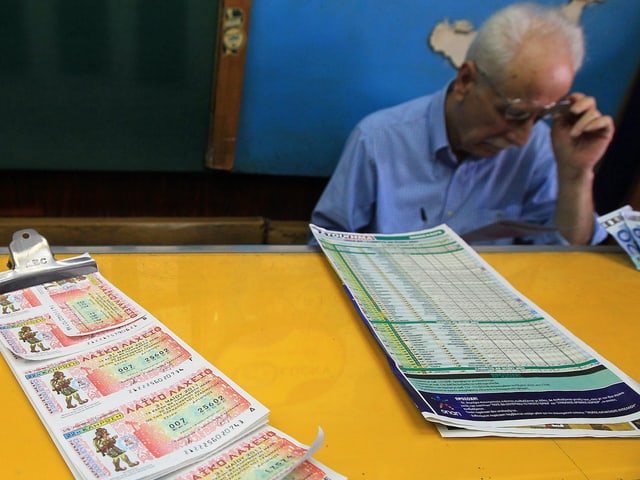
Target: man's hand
column 580, row 135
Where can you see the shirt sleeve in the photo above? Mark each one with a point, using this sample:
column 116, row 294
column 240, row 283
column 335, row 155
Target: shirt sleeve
column 348, row 201
column 540, row 201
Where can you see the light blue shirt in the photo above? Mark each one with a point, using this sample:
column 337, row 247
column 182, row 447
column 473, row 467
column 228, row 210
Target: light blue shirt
column 397, row 174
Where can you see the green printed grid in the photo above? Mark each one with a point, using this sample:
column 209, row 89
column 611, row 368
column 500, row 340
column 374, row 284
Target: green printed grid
column 386, row 328
column 595, row 379
column 374, row 314
column 443, row 248
column 497, row 371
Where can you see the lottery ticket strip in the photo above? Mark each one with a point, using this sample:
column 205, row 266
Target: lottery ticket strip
column 475, row 355
column 623, row 225
column 123, row 397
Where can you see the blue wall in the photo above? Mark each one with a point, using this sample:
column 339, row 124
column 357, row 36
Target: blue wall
column 112, row 85
column 315, row 67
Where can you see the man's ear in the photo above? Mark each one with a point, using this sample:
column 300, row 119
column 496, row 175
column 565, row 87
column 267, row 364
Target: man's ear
column 465, row 79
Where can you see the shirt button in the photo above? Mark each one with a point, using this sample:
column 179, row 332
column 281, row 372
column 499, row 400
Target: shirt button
column 449, row 214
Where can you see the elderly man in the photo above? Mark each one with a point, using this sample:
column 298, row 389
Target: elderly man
column 478, row 151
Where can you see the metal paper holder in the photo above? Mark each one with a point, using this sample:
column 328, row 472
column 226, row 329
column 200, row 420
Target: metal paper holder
column 32, row 263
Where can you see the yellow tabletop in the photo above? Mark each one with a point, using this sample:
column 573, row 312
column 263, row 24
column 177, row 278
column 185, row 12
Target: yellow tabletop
column 281, row 326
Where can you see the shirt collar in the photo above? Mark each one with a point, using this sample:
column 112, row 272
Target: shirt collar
column 439, row 142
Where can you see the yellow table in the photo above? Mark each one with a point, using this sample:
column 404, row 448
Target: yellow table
column 279, row 323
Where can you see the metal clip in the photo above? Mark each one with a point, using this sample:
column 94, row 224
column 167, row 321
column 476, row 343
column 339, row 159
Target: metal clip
column 32, row 263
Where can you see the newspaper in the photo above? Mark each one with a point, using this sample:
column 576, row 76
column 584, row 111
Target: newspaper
column 123, row 397
column 471, row 351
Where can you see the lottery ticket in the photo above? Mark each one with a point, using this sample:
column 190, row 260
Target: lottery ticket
column 81, row 305
column 196, row 415
column 18, row 301
column 87, row 304
column 35, row 335
column 614, row 223
column 265, row 454
column 632, row 220
column 69, row 385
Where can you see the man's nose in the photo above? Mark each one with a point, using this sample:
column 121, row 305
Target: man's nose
column 518, row 134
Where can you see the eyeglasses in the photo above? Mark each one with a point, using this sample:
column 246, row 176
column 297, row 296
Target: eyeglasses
column 520, row 110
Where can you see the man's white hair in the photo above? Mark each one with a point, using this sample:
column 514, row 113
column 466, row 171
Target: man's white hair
column 507, row 31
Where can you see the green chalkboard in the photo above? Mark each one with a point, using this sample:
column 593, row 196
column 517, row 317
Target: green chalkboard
column 113, row 85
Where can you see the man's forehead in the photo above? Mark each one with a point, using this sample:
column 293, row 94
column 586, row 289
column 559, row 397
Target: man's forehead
column 543, row 81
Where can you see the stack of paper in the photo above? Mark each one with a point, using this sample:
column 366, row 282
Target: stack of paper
column 475, row 355
column 122, row 396
column 623, row 225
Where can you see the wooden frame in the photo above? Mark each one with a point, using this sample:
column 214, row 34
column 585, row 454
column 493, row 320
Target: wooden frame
column 231, row 46
column 83, row 231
